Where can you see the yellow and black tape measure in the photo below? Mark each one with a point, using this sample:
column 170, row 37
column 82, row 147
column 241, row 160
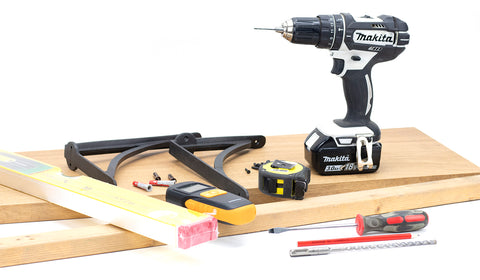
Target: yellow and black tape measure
column 284, row 179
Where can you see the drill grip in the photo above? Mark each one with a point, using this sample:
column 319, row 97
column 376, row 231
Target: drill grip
column 357, row 86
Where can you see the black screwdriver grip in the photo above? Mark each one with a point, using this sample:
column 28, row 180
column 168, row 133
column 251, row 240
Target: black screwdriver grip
column 398, row 221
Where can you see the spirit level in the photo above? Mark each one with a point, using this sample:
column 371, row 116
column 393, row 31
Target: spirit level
column 147, row 216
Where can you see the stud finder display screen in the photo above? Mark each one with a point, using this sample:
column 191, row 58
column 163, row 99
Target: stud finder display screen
column 193, row 188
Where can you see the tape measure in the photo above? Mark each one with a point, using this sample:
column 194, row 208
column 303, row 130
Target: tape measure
column 284, row 179
column 224, row 206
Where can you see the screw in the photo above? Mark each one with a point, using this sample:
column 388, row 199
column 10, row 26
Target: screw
column 256, row 165
column 156, row 176
column 171, row 178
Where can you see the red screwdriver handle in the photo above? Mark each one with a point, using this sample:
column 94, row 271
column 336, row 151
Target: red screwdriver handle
column 398, row 221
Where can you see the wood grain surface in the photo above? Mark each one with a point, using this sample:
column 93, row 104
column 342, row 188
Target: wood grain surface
column 415, row 172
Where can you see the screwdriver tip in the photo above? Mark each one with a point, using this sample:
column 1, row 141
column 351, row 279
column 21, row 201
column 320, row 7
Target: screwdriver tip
column 277, row 230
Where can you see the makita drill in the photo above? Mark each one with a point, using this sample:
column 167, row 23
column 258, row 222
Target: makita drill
column 349, row 145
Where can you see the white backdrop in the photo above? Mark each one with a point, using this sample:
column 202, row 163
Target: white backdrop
column 96, row 70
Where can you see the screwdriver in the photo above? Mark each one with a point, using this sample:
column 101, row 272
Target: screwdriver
column 398, row 221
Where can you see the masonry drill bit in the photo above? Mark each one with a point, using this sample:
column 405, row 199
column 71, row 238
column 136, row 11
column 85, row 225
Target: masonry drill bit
column 324, row 250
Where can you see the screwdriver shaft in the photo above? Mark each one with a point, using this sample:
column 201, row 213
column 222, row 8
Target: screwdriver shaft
column 282, row 229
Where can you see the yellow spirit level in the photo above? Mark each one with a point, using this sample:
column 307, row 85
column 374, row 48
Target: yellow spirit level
column 150, row 217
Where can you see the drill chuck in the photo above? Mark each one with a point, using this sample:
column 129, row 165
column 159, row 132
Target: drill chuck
column 304, row 30
column 321, row 31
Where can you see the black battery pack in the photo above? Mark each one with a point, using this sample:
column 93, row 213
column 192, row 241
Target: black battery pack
column 328, row 158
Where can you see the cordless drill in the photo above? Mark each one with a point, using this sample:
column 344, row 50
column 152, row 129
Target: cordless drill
column 349, row 145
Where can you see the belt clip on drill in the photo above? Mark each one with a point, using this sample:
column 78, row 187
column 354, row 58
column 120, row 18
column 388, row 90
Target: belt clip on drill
column 349, row 145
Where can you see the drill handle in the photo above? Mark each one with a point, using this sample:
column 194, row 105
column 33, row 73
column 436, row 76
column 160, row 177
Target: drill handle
column 358, row 90
column 357, row 87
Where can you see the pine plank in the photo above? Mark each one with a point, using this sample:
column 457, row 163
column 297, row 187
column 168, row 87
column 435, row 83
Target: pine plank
column 368, row 202
column 409, row 156
column 69, row 243
column 107, row 238
column 416, row 171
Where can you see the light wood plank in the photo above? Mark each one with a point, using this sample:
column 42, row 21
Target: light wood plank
column 415, row 172
column 106, row 238
column 348, row 205
column 409, row 156
column 69, row 243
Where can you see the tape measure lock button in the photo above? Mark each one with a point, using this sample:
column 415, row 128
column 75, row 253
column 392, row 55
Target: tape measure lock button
column 284, row 179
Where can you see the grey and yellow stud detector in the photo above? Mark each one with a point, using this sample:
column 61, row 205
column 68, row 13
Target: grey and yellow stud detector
column 285, row 179
column 224, row 206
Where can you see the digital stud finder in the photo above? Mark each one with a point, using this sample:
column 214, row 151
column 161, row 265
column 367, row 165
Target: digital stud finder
column 224, row 206
column 284, row 179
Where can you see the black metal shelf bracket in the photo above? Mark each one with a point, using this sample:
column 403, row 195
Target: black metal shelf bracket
column 181, row 146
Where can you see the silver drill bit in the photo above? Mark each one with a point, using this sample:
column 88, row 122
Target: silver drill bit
column 276, row 29
column 324, row 250
column 286, row 29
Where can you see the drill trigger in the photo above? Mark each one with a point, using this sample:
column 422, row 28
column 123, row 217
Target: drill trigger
column 338, row 65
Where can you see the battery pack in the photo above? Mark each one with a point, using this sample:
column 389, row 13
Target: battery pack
column 326, row 156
